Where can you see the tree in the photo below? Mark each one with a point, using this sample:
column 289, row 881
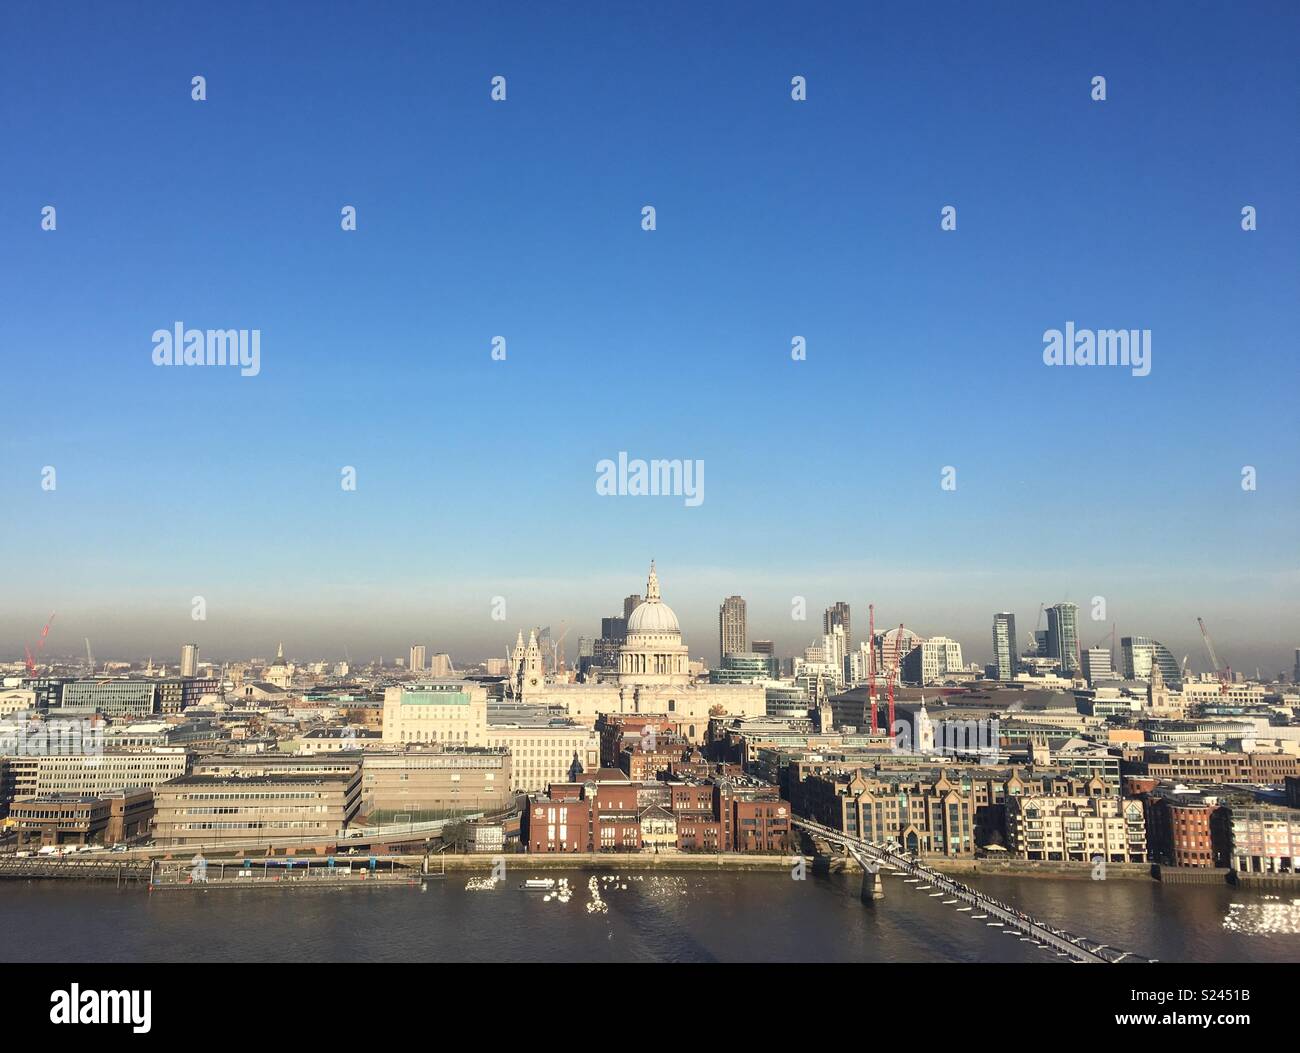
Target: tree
column 456, row 835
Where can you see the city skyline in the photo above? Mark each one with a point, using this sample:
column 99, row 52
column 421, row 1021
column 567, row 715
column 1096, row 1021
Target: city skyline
column 234, row 637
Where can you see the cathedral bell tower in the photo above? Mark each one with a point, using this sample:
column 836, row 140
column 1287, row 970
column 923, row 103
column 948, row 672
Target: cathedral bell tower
column 531, row 675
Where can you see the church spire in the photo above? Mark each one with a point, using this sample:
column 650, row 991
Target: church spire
column 652, row 585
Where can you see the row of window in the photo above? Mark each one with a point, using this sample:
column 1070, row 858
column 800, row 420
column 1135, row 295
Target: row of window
column 433, row 736
column 256, row 825
column 244, row 795
column 219, row 810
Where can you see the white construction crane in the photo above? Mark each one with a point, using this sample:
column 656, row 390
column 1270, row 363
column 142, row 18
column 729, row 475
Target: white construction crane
column 1223, row 673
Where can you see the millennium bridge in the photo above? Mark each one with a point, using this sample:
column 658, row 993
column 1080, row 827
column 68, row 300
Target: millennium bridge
column 872, row 856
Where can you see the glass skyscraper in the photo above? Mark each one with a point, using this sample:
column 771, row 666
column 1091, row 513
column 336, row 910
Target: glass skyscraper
column 1063, row 636
column 1141, row 652
column 1004, row 644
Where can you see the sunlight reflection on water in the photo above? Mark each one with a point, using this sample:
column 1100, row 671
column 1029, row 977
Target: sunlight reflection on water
column 1264, row 919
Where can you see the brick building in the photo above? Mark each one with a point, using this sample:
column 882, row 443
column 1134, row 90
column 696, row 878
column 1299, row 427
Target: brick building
column 130, row 814
column 619, row 731
column 1180, row 831
column 760, row 824
column 641, row 763
column 607, row 812
column 59, row 819
column 557, row 824
column 1208, row 766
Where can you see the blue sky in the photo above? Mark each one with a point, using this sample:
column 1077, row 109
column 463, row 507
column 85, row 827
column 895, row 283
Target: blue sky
column 522, row 219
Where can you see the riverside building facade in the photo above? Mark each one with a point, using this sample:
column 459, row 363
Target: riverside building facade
column 207, row 809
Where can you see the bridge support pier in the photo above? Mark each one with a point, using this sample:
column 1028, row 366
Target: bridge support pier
column 872, row 887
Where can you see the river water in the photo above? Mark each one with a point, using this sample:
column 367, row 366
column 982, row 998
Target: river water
column 730, row 917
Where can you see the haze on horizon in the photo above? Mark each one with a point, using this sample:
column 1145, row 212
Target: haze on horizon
column 366, row 622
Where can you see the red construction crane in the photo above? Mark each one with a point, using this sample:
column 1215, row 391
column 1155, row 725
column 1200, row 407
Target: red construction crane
column 871, row 666
column 893, row 674
column 40, row 646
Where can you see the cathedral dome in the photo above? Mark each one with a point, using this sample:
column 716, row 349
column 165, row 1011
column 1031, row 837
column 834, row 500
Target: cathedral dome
column 653, row 615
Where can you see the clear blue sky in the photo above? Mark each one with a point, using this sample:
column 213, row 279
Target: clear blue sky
column 775, row 219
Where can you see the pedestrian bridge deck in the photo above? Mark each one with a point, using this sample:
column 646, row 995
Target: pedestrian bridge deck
column 871, row 857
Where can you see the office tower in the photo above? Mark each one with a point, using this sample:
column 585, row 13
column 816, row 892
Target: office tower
column 745, row 669
column 731, row 627
column 1135, row 657
column 416, row 664
column 1004, row 645
column 190, row 659
column 933, row 661
column 586, row 654
column 891, row 647
column 440, row 665
column 630, row 604
column 1096, row 665
column 1063, row 636
column 835, row 650
column 613, row 632
column 1040, row 643
column 1139, row 653
column 838, row 614
column 767, row 647
column 547, row 645
column 859, row 664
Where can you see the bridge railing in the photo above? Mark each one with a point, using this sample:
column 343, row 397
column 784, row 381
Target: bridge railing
column 50, row 867
column 1053, row 936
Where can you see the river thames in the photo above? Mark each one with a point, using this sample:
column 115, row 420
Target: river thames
column 640, row 917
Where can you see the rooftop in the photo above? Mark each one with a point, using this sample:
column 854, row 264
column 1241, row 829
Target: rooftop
column 316, row 779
